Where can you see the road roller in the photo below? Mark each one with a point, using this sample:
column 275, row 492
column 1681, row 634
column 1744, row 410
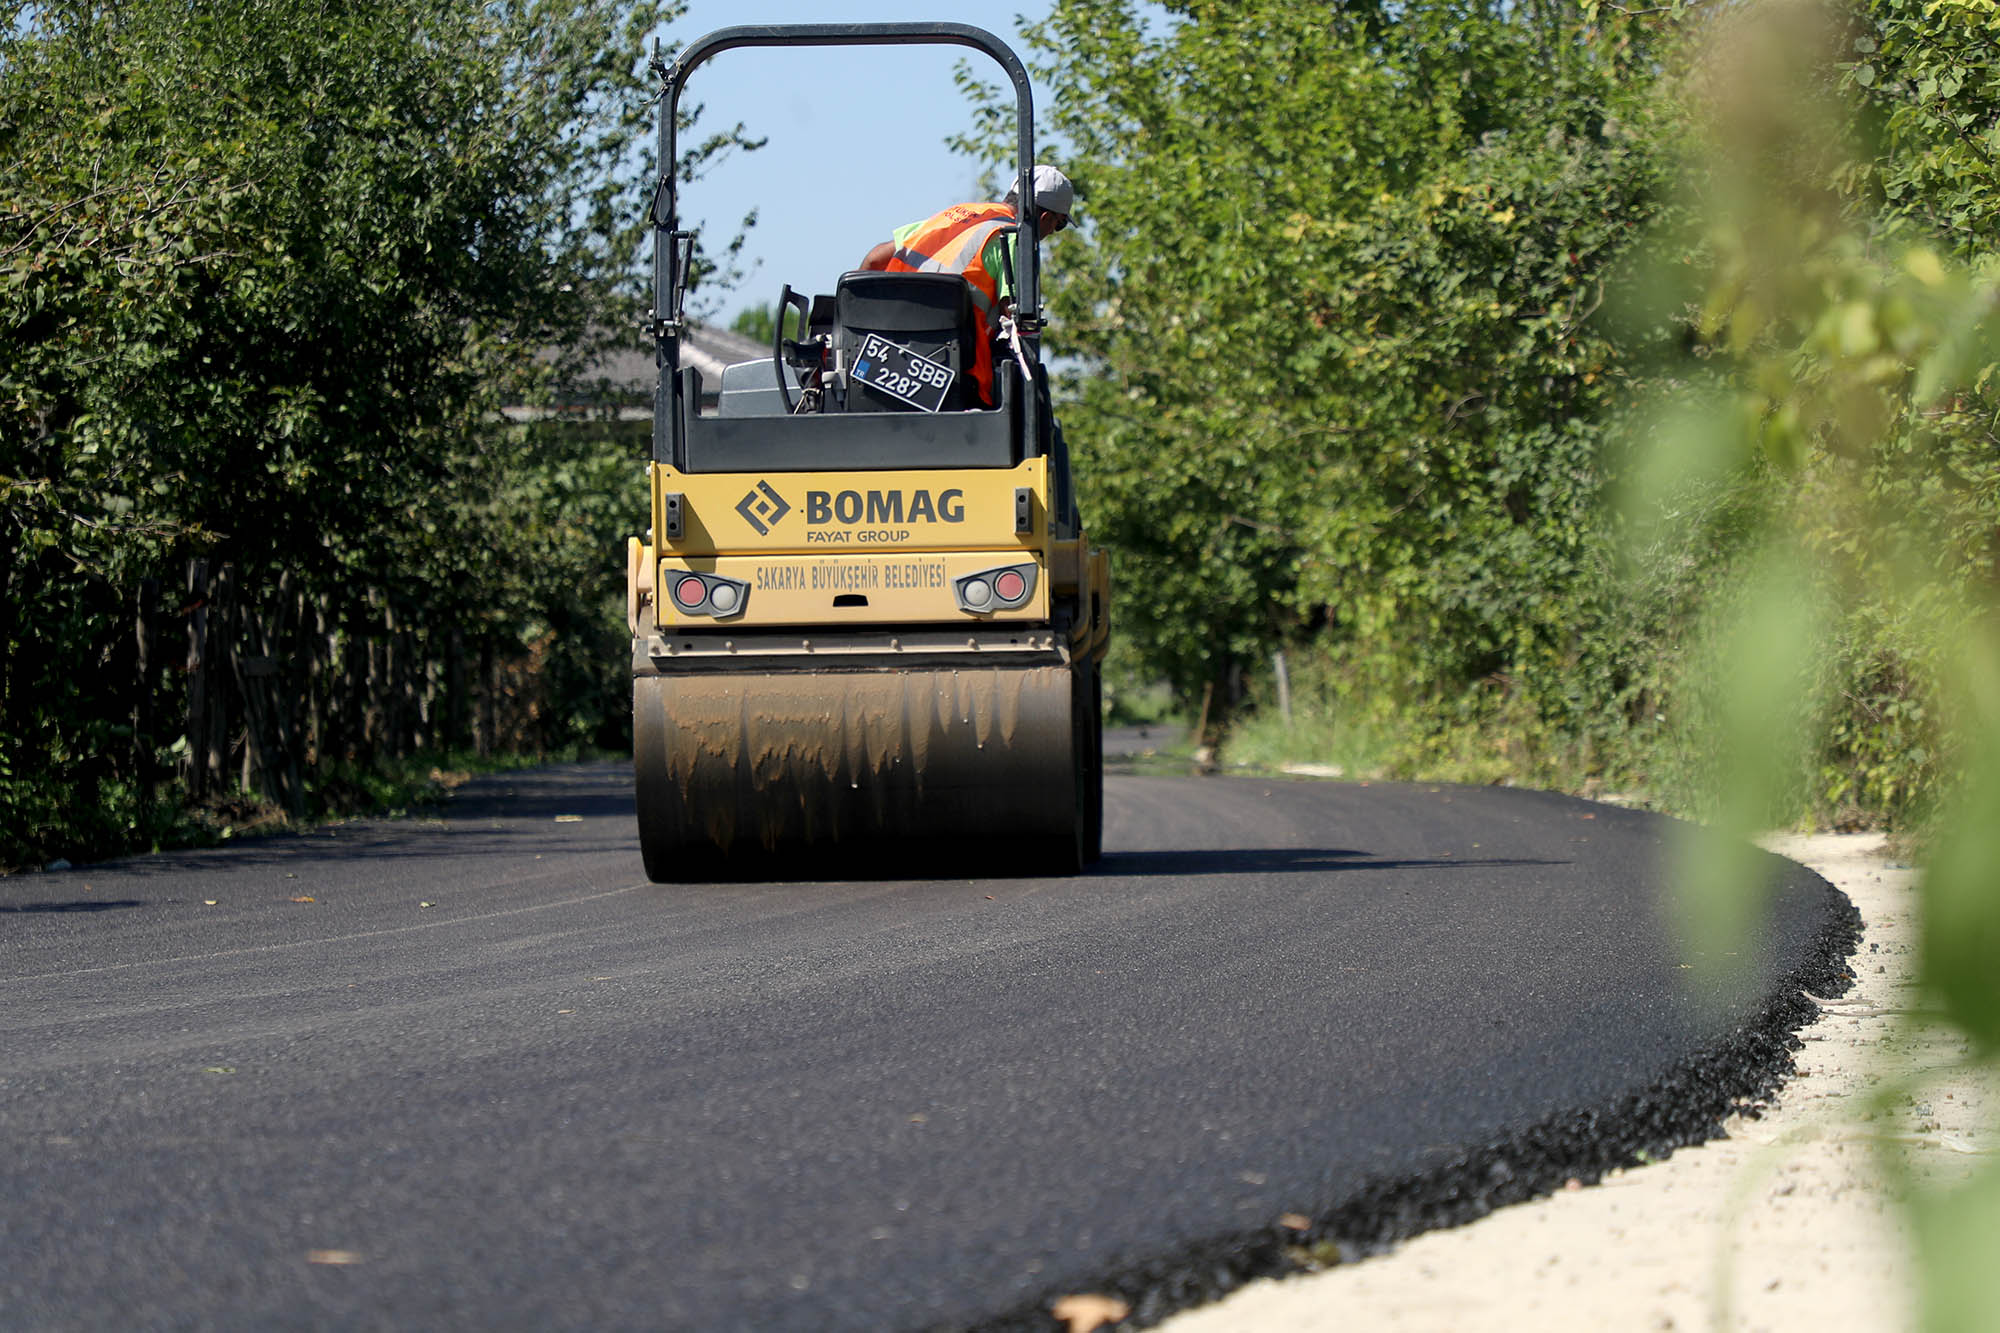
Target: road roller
column 866, row 620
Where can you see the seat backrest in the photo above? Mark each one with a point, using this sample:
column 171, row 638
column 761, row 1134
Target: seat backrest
column 930, row 313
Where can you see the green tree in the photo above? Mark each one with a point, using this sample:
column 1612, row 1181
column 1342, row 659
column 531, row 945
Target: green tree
column 267, row 273
column 1334, row 307
column 760, row 322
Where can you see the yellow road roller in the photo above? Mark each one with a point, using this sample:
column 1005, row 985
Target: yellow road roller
column 866, row 621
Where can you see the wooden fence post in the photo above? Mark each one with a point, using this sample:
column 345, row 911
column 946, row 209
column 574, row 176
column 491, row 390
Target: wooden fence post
column 196, row 758
column 488, row 705
column 316, row 651
column 454, row 690
column 267, row 721
column 145, row 627
column 373, row 721
column 284, row 701
column 222, row 704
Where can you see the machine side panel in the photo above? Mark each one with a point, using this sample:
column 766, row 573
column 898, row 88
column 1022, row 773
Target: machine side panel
column 847, row 511
column 853, row 591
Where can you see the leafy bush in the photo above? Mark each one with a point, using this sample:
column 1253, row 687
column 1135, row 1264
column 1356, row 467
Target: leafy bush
column 267, row 275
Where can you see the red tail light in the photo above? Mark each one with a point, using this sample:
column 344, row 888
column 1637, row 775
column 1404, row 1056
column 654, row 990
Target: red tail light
column 709, row 594
column 1001, row 589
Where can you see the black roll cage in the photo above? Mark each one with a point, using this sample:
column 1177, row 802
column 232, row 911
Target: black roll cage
column 673, row 248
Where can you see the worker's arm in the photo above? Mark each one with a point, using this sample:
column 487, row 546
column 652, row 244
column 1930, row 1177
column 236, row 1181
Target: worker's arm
column 877, row 259
column 998, row 256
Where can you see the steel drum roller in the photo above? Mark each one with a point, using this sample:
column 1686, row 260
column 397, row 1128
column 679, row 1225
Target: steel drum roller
column 730, row 764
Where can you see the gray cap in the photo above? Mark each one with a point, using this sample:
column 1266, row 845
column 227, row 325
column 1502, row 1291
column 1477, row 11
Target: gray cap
column 1052, row 190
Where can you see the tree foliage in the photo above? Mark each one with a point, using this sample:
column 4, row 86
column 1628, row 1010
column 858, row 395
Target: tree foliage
column 267, row 273
column 1374, row 306
column 1334, row 301
column 1852, row 318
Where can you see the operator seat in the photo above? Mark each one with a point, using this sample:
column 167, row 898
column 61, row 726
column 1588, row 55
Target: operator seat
column 930, row 313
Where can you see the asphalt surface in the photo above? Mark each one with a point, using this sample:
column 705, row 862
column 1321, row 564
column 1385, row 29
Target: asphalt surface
column 488, row 1077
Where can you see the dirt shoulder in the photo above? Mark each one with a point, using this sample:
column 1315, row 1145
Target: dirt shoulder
column 1786, row 1224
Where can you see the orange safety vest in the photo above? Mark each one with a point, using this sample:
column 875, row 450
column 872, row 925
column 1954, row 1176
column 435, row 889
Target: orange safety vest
column 955, row 241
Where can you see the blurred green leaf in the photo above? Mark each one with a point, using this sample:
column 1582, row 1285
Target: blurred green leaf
column 1961, row 886
column 1765, row 652
column 1956, row 1232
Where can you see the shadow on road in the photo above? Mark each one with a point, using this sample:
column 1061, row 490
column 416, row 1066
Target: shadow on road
column 541, row 808
column 81, row 905
column 379, row 845
column 1281, row 860
column 603, row 788
column 577, row 810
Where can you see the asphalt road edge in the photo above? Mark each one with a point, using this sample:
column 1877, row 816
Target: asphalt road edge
column 1685, row 1106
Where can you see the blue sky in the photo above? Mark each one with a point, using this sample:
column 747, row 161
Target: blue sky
column 857, row 136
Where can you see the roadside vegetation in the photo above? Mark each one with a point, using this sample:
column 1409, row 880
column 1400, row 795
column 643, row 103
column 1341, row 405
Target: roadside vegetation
column 1468, row 354
column 1578, row 395
column 294, row 495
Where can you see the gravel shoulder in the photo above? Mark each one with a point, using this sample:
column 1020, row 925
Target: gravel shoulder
column 1785, row 1224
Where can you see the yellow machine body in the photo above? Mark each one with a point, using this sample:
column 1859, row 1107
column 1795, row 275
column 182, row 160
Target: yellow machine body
column 850, row 549
column 851, row 700
column 865, row 617
column 915, row 533
column 809, row 513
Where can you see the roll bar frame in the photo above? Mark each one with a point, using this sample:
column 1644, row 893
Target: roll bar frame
column 673, row 248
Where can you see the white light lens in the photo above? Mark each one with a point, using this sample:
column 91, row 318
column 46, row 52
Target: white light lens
column 722, row 597
column 977, row 593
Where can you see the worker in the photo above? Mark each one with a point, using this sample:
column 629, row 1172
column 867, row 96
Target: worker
column 977, row 242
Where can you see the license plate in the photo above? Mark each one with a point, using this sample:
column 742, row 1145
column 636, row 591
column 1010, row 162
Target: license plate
column 900, row 372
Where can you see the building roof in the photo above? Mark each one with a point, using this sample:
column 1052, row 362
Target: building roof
column 620, row 381
column 710, row 349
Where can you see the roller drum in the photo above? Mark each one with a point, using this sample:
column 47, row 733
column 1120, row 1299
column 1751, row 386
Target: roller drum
column 737, row 769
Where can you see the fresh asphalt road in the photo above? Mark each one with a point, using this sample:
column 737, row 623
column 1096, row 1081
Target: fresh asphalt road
column 473, row 1071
